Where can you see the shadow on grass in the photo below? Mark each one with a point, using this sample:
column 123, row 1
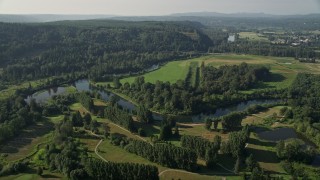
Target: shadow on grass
column 47, row 176
column 263, row 155
column 215, row 171
column 184, row 126
column 261, row 143
column 275, row 78
column 226, row 160
column 26, row 137
column 148, row 128
column 261, row 85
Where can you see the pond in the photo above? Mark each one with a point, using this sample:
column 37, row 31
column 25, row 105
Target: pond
column 278, row 134
column 84, row 85
column 286, row 133
column 81, row 85
column 44, row 95
column 231, row 38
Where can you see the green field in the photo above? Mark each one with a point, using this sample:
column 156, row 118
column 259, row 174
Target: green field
column 284, row 70
column 171, row 72
column 33, row 176
column 252, row 36
column 259, row 118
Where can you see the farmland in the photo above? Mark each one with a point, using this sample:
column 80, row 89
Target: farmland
column 252, row 36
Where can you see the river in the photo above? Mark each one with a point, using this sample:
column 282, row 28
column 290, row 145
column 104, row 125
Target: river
column 84, row 85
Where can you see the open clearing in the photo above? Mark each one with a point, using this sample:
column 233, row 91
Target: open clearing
column 171, row 72
column 252, row 36
column 258, row 118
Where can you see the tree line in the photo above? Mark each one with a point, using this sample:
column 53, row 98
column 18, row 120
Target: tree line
column 164, row 154
column 15, row 115
column 97, row 169
column 304, row 99
column 231, row 78
column 204, row 148
column 119, row 116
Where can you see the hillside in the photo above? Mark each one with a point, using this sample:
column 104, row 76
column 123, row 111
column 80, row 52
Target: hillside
column 46, row 49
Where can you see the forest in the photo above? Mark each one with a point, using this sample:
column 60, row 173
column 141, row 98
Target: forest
column 33, row 51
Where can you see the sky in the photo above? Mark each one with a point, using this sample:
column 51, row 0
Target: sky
column 157, row 7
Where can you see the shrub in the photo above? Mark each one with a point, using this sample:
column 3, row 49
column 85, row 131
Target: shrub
column 141, row 132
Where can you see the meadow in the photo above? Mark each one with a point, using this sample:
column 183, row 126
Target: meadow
column 283, row 70
column 252, row 36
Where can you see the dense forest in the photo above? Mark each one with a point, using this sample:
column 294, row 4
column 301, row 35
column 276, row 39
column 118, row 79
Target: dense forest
column 305, row 105
column 15, row 115
column 33, row 51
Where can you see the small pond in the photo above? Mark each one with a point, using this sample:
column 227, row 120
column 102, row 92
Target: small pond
column 278, row 134
column 231, row 38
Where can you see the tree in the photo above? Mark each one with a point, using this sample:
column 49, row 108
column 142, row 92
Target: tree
column 237, row 166
column 211, row 158
column 208, row 123
column 77, row 119
column 176, row 131
column 39, row 171
column 116, row 82
column 106, row 130
column 87, row 119
column 141, row 132
column 94, row 126
column 232, row 120
column 280, row 149
column 217, row 142
column 251, row 163
column 165, row 132
column 144, row 115
column 257, row 174
column 215, row 124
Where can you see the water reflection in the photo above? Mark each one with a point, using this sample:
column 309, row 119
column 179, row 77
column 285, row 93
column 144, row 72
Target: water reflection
column 84, row 85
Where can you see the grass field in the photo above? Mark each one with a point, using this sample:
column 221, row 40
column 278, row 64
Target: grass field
column 11, row 89
column 32, row 175
column 252, row 36
column 258, row 118
column 199, row 130
column 171, row 72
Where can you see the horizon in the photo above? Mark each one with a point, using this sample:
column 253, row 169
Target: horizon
column 176, row 14
column 157, row 8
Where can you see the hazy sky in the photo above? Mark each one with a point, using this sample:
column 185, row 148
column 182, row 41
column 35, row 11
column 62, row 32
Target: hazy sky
column 156, row 7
